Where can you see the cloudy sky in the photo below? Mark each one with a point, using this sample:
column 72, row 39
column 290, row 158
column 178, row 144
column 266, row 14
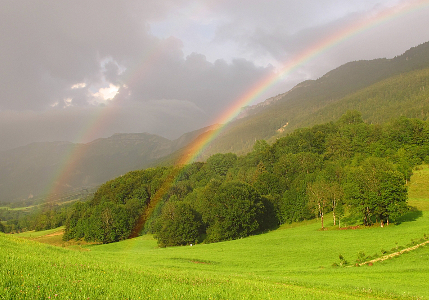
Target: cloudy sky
column 79, row 70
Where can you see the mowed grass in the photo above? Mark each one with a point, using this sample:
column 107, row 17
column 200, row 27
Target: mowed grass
column 293, row 262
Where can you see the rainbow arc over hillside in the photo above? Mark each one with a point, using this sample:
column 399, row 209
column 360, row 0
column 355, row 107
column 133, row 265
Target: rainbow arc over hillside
column 197, row 147
column 194, row 150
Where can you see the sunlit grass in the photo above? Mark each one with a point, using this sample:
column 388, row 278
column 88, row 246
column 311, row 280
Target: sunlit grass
column 36, row 234
column 294, row 262
column 418, row 188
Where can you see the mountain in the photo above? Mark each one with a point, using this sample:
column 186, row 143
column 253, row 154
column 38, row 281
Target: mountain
column 380, row 89
column 33, row 170
column 339, row 90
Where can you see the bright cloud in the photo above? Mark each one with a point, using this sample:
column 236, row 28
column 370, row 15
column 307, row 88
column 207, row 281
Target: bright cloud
column 78, row 86
column 68, row 102
column 108, row 93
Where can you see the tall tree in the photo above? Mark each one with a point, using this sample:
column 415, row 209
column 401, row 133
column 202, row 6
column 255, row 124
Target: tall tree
column 376, row 191
column 319, row 198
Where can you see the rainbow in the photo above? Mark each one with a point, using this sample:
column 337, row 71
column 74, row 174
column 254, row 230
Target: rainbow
column 197, row 147
column 75, row 154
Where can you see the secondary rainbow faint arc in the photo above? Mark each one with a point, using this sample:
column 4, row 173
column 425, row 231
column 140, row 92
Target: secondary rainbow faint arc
column 198, row 146
column 95, row 124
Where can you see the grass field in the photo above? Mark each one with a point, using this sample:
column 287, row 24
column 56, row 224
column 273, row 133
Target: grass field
column 293, row 262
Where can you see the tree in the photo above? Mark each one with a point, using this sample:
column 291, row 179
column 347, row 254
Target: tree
column 294, row 203
column 339, row 212
column 319, row 197
column 376, row 191
column 219, row 164
column 179, row 224
column 234, row 212
column 336, row 195
column 350, row 117
column 72, row 223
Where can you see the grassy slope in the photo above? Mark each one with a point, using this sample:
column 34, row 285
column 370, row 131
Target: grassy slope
column 291, row 262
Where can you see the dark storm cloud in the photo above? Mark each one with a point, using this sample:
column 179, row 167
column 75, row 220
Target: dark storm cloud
column 52, row 45
column 211, row 86
column 48, row 46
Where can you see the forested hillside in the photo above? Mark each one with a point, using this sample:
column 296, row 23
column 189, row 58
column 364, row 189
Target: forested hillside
column 362, row 85
column 357, row 171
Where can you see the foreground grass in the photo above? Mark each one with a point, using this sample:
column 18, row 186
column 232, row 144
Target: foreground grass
column 293, row 262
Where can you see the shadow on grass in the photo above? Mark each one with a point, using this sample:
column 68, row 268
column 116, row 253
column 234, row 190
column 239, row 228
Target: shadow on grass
column 196, row 261
column 412, row 215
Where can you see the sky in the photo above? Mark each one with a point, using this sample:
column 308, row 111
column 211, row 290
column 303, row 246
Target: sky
column 80, row 70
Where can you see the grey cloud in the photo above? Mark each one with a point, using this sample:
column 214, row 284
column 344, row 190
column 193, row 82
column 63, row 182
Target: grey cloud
column 48, row 46
column 111, row 72
column 282, row 40
column 211, row 86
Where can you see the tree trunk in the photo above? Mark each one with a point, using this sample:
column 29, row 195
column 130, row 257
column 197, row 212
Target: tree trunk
column 321, row 214
column 321, row 218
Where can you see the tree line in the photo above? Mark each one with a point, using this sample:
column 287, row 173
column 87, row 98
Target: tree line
column 346, row 167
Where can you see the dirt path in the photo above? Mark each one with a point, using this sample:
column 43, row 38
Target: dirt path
column 370, row 262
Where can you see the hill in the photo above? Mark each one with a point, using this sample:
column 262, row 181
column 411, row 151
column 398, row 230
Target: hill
column 327, row 98
column 31, row 171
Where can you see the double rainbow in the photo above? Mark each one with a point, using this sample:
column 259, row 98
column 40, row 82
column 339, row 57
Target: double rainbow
column 200, row 144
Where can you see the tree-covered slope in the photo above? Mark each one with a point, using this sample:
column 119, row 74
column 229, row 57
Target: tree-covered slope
column 314, row 100
column 354, row 170
column 406, row 94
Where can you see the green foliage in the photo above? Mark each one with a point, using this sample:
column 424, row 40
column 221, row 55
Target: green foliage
column 376, row 190
column 234, row 212
column 219, row 164
column 179, row 224
column 347, row 168
column 294, row 204
column 115, row 209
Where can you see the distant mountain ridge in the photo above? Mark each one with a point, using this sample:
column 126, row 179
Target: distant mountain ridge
column 32, row 170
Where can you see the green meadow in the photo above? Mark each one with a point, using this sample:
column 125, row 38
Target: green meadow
column 295, row 261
